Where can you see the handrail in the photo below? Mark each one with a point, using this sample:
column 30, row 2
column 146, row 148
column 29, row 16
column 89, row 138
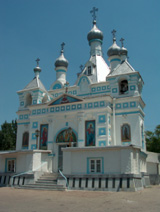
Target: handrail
column 30, row 171
column 64, row 178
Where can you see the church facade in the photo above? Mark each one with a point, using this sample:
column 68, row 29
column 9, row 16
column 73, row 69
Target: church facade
column 93, row 131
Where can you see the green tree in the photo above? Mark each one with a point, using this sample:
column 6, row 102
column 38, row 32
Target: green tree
column 8, row 134
column 153, row 140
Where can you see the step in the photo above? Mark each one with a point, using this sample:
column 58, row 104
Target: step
column 38, row 188
column 44, row 185
column 47, row 182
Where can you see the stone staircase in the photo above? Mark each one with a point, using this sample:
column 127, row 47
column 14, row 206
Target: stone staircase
column 48, row 181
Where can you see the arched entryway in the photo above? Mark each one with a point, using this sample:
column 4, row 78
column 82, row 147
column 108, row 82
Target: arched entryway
column 65, row 138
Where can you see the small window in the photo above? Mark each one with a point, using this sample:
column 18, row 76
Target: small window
column 89, row 70
column 25, row 140
column 95, row 165
column 123, row 87
column 11, row 165
column 125, row 133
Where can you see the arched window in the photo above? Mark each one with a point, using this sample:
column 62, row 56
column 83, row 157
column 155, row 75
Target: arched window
column 25, row 141
column 123, row 87
column 28, row 100
column 67, row 136
column 125, row 133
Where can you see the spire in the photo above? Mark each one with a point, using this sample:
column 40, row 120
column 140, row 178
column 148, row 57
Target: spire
column 123, row 51
column 93, row 12
column 37, row 69
column 61, row 61
column 114, row 49
column 114, row 35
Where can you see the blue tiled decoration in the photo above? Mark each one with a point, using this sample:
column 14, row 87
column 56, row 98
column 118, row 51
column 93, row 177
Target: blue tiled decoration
column 66, row 124
column 35, row 125
column 118, row 106
column 57, row 109
column 114, row 90
column 102, row 143
column 57, row 86
column 33, row 112
column 98, row 88
column 68, row 107
column 33, row 136
column 34, row 102
column 73, row 107
column 74, row 92
column 102, row 131
column 93, row 89
column 132, row 104
column 39, row 111
column 43, row 110
column 52, row 109
column 102, row 118
column 26, row 116
column 109, row 132
column 62, row 108
column 103, row 88
column 21, row 117
column 89, row 105
column 21, row 103
column 33, row 146
column 79, row 106
column 132, row 87
column 96, row 104
column 102, row 104
column 125, row 105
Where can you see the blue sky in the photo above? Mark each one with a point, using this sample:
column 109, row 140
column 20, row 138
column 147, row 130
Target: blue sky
column 36, row 28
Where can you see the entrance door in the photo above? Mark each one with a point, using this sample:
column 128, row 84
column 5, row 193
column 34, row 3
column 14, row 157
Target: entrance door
column 60, row 157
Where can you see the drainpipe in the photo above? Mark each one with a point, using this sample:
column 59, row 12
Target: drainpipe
column 114, row 123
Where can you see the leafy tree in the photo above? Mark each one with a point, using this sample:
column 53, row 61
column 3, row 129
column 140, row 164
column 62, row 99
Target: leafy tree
column 153, row 140
column 8, row 134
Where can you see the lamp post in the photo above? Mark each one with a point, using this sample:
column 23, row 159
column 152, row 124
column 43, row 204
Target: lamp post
column 37, row 135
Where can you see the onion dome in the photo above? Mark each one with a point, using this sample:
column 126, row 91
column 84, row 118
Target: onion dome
column 61, row 61
column 95, row 33
column 123, row 50
column 114, row 49
column 37, row 69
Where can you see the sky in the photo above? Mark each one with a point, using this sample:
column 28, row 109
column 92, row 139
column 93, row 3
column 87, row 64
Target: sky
column 36, row 28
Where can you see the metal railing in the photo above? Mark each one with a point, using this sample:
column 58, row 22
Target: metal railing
column 28, row 172
column 67, row 185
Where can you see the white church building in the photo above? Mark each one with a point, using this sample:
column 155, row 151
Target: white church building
column 92, row 131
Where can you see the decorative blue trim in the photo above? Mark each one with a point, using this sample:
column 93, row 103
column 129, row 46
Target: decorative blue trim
column 57, row 109
column 93, row 89
column 114, row 90
column 26, row 116
column 132, row 87
column 116, row 59
column 79, row 106
column 25, row 147
column 68, row 107
column 21, row 103
column 69, row 92
column 33, row 112
column 125, row 143
column 80, row 140
column 102, row 131
column 33, row 136
column 66, row 124
column 57, row 86
column 95, row 40
column 104, row 88
column 39, row 111
column 24, row 123
column 127, row 113
column 102, row 119
column 118, row 106
column 132, row 104
column 110, row 79
column 52, row 155
column 83, row 77
column 52, row 109
column 35, row 125
column 62, row 108
column 98, row 88
column 6, row 161
column 109, row 132
column 102, row 143
column 75, row 92
column 34, row 102
column 102, row 104
column 61, row 70
column 33, row 146
column 21, row 117
column 90, row 105
column 49, row 142
column 96, row 104
column 20, row 94
column 43, row 110
column 125, row 105
column 37, row 91
column 73, row 107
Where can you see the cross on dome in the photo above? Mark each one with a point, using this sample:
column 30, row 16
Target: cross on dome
column 121, row 40
column 93, row 12
column 62, row 46
column 114, row 33
column 81, row 67
column 37, row 60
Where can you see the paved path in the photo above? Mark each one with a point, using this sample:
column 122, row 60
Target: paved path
column 15, row 200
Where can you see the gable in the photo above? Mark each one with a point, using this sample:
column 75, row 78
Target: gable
column 65, row 99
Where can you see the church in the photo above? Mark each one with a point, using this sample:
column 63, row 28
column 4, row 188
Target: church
column 91, row 134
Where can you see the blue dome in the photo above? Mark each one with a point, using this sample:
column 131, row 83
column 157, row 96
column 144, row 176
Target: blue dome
column 61, row 61
column 114, row 49
column 95, row 33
